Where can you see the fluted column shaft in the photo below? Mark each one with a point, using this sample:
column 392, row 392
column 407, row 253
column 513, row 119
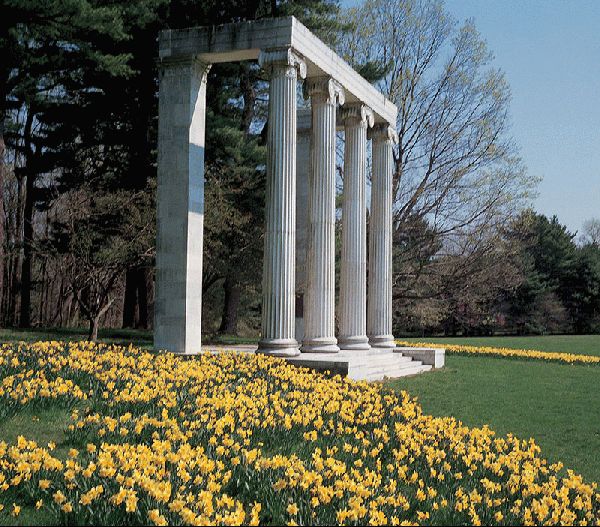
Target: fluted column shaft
column 379, row 312
column 319, row 310
column 353, row 278
column 278, row 287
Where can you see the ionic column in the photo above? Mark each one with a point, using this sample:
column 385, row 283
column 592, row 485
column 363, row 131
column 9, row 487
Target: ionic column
column 379, row 313
column 353, row 278
column 319, row 305
column 278, row 287
column 180, row 205
column 302, row 170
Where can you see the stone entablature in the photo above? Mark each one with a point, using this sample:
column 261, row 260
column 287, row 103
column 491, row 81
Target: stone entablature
column 245, row 40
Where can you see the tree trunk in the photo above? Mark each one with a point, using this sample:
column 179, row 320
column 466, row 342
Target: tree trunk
column 17, row 263
column 135, row 302
column 94, row 324
column 2, row 234
column 129, row 300
column 4, row 76
column 142, row 298
column 25, row 310
column 43, row 294
column 231, row 305
column 25, row 318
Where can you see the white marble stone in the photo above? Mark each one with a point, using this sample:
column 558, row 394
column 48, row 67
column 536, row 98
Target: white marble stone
column 365, row 365
column 244, row 40
column 435, row 357
column 379, row 310
column 180, row 198
column 278, row 287
column 353, row 266
column 302, row 169
column 286, row 49
column 319, row 307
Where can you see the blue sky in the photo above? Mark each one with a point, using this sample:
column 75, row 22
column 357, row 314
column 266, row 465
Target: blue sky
column 550, row 52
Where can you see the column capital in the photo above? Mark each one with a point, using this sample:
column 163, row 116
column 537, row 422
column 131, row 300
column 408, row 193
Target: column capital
column 358, row 112
column 169, row 65
column 284, row 58
column 325, row 89
column 383, row 132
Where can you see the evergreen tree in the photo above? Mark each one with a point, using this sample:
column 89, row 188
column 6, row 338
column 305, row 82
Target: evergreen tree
column 47, row 47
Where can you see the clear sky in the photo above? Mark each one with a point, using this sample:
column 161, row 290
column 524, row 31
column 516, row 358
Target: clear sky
column 550, row 52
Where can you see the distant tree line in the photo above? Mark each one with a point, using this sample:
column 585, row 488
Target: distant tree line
column 537, row 278
column 78, row 98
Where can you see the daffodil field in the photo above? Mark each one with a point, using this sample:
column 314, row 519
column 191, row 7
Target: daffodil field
column 236, row 438
column 570, row 358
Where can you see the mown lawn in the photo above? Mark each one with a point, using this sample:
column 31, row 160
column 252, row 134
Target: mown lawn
column 584, row 344
column 123, row 337
column 556, row 404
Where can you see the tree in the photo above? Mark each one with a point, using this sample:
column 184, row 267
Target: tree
column 460, row 289
column 591, row 232
column 456, row 166
column 549, row 298
column 78, row 89
column 103, row 235
column 47, row 47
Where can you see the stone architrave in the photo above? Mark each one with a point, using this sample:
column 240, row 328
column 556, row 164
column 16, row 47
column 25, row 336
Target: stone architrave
column 353, row 278
column 379, row 310
column 180, row 205
column 278, row 286
column 319, row 306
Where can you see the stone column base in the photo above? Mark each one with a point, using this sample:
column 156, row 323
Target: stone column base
column 360, row 342
column 278, row 347
column 320, row 345
column 382, row 341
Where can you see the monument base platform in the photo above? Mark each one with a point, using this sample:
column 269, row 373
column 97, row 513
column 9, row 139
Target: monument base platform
column 371, row 365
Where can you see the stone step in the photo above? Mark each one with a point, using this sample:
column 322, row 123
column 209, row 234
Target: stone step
column 372, row 365
column 379, row 371
column 403, row 372
column 384, row 360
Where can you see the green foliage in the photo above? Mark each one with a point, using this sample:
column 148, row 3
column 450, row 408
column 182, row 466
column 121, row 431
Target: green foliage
column 561, row 287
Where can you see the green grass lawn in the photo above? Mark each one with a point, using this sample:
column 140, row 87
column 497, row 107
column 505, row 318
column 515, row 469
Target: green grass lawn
column 123, row 337
column 139, row 337
column 584, row 344
column 557, row 404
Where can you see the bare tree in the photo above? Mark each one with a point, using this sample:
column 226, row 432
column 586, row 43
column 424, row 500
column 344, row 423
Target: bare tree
column 102, row 235
column 591, row 232
column 458, row 174
column 455, row 162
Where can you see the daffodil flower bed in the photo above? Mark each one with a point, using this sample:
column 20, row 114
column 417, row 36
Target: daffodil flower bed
column 236, row 438
column 570, row 358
